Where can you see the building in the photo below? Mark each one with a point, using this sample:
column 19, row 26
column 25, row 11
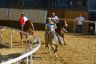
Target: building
column 63, row 8
column 86, row 6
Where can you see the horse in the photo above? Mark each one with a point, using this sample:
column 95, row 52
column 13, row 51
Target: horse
column 51, row 40
column 61, row 25
column 28, row 28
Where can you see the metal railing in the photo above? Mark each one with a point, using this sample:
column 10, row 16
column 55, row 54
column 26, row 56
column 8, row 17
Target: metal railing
column 25, row 55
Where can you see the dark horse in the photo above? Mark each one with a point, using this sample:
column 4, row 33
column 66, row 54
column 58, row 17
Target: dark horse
column 60, row 29
column 28, row 28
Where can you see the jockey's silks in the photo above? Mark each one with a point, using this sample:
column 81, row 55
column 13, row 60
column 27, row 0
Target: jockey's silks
column 49, row 25
column 23, row 20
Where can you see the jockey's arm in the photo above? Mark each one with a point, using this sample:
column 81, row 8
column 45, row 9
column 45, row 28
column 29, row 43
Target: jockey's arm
column 47, row 26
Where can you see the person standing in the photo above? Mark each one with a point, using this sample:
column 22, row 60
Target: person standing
column 80, row 19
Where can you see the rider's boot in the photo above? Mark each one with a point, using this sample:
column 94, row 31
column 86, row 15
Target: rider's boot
column 60, row 43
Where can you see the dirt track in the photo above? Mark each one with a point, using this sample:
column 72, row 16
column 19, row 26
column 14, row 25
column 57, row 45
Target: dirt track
column 79, row 50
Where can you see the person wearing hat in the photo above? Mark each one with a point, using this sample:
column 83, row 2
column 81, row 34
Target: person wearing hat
column 22, row 20
column 79, row 21
column 55, row 18
column 50, row 23
column 50, row 26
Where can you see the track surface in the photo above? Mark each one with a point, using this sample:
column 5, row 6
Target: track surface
column 80, row 49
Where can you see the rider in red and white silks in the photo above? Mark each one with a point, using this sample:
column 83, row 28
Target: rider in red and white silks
column 22, row 20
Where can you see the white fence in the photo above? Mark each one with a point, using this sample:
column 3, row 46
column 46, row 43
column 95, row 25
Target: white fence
column 26, row 55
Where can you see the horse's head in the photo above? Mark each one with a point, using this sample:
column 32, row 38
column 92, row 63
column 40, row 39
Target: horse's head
column 63, row 23
column 52, row 30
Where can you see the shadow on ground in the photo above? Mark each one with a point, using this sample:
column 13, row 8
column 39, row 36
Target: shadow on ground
column 3, row 46
column 9, row 56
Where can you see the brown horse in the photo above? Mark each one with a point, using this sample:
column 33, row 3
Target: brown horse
column 61, row 25
column 28, row 28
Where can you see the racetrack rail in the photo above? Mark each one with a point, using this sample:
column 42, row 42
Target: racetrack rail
column 27, row 54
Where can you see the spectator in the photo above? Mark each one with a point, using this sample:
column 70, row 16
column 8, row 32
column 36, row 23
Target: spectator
column 80, row 19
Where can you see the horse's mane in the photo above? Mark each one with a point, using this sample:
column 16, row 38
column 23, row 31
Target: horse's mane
column 28, row 25
column 60, row 24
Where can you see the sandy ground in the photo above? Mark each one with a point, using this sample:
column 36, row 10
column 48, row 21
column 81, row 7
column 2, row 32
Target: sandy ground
column 80, row 49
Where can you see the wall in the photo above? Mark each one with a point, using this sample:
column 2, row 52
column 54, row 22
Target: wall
column 37, row 16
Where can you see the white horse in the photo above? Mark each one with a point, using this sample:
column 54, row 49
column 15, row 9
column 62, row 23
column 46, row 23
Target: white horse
column 51, row 40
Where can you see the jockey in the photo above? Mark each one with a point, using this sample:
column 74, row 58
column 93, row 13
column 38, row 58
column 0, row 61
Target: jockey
column 22, row 20
column 48, row 26
column 55, row 18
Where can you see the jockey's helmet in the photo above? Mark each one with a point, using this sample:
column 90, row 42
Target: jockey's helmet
column 53, row 13
column 22, row 13
column 49, row 18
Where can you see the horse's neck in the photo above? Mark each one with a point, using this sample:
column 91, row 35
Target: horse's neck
column 29, row 23
column 61, row 24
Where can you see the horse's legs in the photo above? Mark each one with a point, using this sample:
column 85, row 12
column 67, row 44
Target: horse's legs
column 62, row 35
column 31, row 32
column 55, row 50
column 51, row 44
column 54, row 47
column 59, row 40
column 46, row 42
column 46, row 39
column 49, row 49
column 26, row 39
column 63, row 39
column 21, row 35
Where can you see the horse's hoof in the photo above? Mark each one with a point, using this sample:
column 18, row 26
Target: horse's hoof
column 64, row 44
column 46, row 46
